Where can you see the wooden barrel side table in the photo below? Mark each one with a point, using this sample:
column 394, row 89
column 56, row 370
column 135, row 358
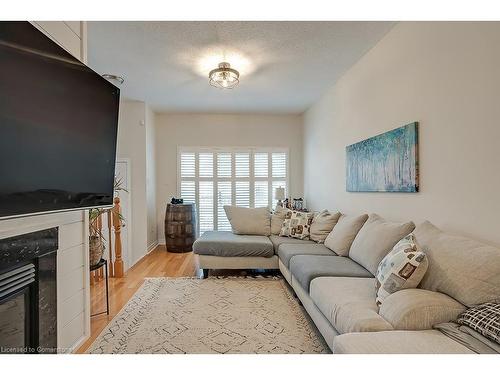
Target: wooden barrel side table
column 180, row 227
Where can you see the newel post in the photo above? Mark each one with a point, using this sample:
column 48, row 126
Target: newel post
column 117, row 224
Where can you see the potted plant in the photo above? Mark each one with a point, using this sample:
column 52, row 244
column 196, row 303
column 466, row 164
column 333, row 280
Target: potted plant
column 96, row 237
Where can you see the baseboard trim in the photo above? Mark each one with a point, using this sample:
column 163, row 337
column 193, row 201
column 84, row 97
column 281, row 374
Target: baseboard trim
column 77, row 345
column 152, row 246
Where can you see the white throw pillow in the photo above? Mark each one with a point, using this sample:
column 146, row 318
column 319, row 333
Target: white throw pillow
column 403, row 268
column 249, row 220
column 297, row 224
column 322, row 225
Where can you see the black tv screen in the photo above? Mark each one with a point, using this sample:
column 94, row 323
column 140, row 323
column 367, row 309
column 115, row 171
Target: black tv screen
column 58, row 127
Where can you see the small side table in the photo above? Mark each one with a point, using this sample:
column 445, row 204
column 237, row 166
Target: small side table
column 102, row 263
column 180, row 227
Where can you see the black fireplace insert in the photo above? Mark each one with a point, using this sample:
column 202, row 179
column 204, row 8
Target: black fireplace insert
column 28, row 293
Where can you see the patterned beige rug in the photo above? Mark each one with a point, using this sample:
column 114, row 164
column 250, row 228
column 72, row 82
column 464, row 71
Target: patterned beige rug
column 214, row 315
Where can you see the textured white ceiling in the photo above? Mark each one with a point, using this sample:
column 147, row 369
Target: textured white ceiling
column 285, row 66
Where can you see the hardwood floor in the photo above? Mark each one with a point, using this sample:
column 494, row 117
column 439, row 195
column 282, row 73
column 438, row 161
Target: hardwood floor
column 158, row 263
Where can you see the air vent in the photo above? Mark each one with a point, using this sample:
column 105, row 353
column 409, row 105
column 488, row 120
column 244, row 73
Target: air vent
column 16, row 279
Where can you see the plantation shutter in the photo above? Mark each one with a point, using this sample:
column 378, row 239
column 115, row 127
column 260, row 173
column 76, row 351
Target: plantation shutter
column 213, row 178
column 279, row 164
column 206, row 164
column 261, row 194
column 224, row 164
column 261, row 164
column 188, row 191
column 206, row 206
column 223, row 199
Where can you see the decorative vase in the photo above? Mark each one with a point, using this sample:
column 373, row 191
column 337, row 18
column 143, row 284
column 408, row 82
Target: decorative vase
column 96, row 249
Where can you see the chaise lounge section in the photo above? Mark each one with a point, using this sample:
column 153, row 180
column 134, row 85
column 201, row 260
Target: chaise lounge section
column 226, row 250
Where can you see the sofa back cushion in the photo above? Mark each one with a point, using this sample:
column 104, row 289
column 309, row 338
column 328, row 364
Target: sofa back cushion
column 460, row 267
column 322, row 225
column 277, row 219
column 249, row 220
column 374, row 241
column 339, row 240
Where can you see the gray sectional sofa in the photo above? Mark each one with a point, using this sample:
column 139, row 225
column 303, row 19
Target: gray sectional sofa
column 338, row 292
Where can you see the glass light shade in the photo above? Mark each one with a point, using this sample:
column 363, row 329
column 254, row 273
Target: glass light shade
column 279, row 193
column 224, row 77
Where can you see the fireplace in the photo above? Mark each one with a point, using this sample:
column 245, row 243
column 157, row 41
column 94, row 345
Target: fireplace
column 28, row 293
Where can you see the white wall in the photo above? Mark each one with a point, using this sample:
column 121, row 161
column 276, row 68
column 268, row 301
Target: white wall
column 73, row 291
column 132, row 145
column 173, row 130
column 136, row 135
column 152, row 235
column 444, row 75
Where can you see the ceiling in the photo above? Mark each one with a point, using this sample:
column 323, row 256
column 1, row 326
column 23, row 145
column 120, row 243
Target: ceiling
column 285, row 66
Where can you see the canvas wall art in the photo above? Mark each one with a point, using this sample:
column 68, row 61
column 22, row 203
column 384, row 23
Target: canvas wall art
column 387, row 162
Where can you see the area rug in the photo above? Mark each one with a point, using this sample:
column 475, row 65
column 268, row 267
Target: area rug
column 214, row 315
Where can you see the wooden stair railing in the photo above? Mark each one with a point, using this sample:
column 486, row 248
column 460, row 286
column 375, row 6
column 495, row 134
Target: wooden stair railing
column 115, row 260
column 117, row 224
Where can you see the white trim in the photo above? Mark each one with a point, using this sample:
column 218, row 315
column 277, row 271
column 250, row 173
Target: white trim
column 76, row 345
column 128, row 261
column 149, row 249
column 152, row 246
column 86, row 267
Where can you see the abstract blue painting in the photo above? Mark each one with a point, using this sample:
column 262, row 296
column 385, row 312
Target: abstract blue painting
column 387, row 162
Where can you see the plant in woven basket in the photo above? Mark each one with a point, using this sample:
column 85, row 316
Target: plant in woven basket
column 96, row 237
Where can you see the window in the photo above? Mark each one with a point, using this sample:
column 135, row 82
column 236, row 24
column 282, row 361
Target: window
column 214, row 177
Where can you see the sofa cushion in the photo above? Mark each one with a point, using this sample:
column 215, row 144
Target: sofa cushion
column 278, row 241
column 416, row 309
column 322, row 225
column 256, row 221
column 465, row 269
column 348, row 303
column 375, row 239
column 305, row 268
column 398, row 342
column 287, row 251
column 403, row 268
column 297, row 224
column 277, row 219
column 227, row 244
column 343, row 233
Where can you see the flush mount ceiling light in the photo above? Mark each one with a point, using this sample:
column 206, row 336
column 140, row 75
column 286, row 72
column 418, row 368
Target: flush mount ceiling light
column 116, row 80
column 224, row 77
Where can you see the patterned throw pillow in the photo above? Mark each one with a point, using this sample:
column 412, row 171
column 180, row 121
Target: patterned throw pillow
column 403, row 268
column 484, row 318
column 297, row 224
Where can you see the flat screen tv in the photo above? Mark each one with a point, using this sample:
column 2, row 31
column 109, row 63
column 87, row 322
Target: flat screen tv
column 58, row 127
